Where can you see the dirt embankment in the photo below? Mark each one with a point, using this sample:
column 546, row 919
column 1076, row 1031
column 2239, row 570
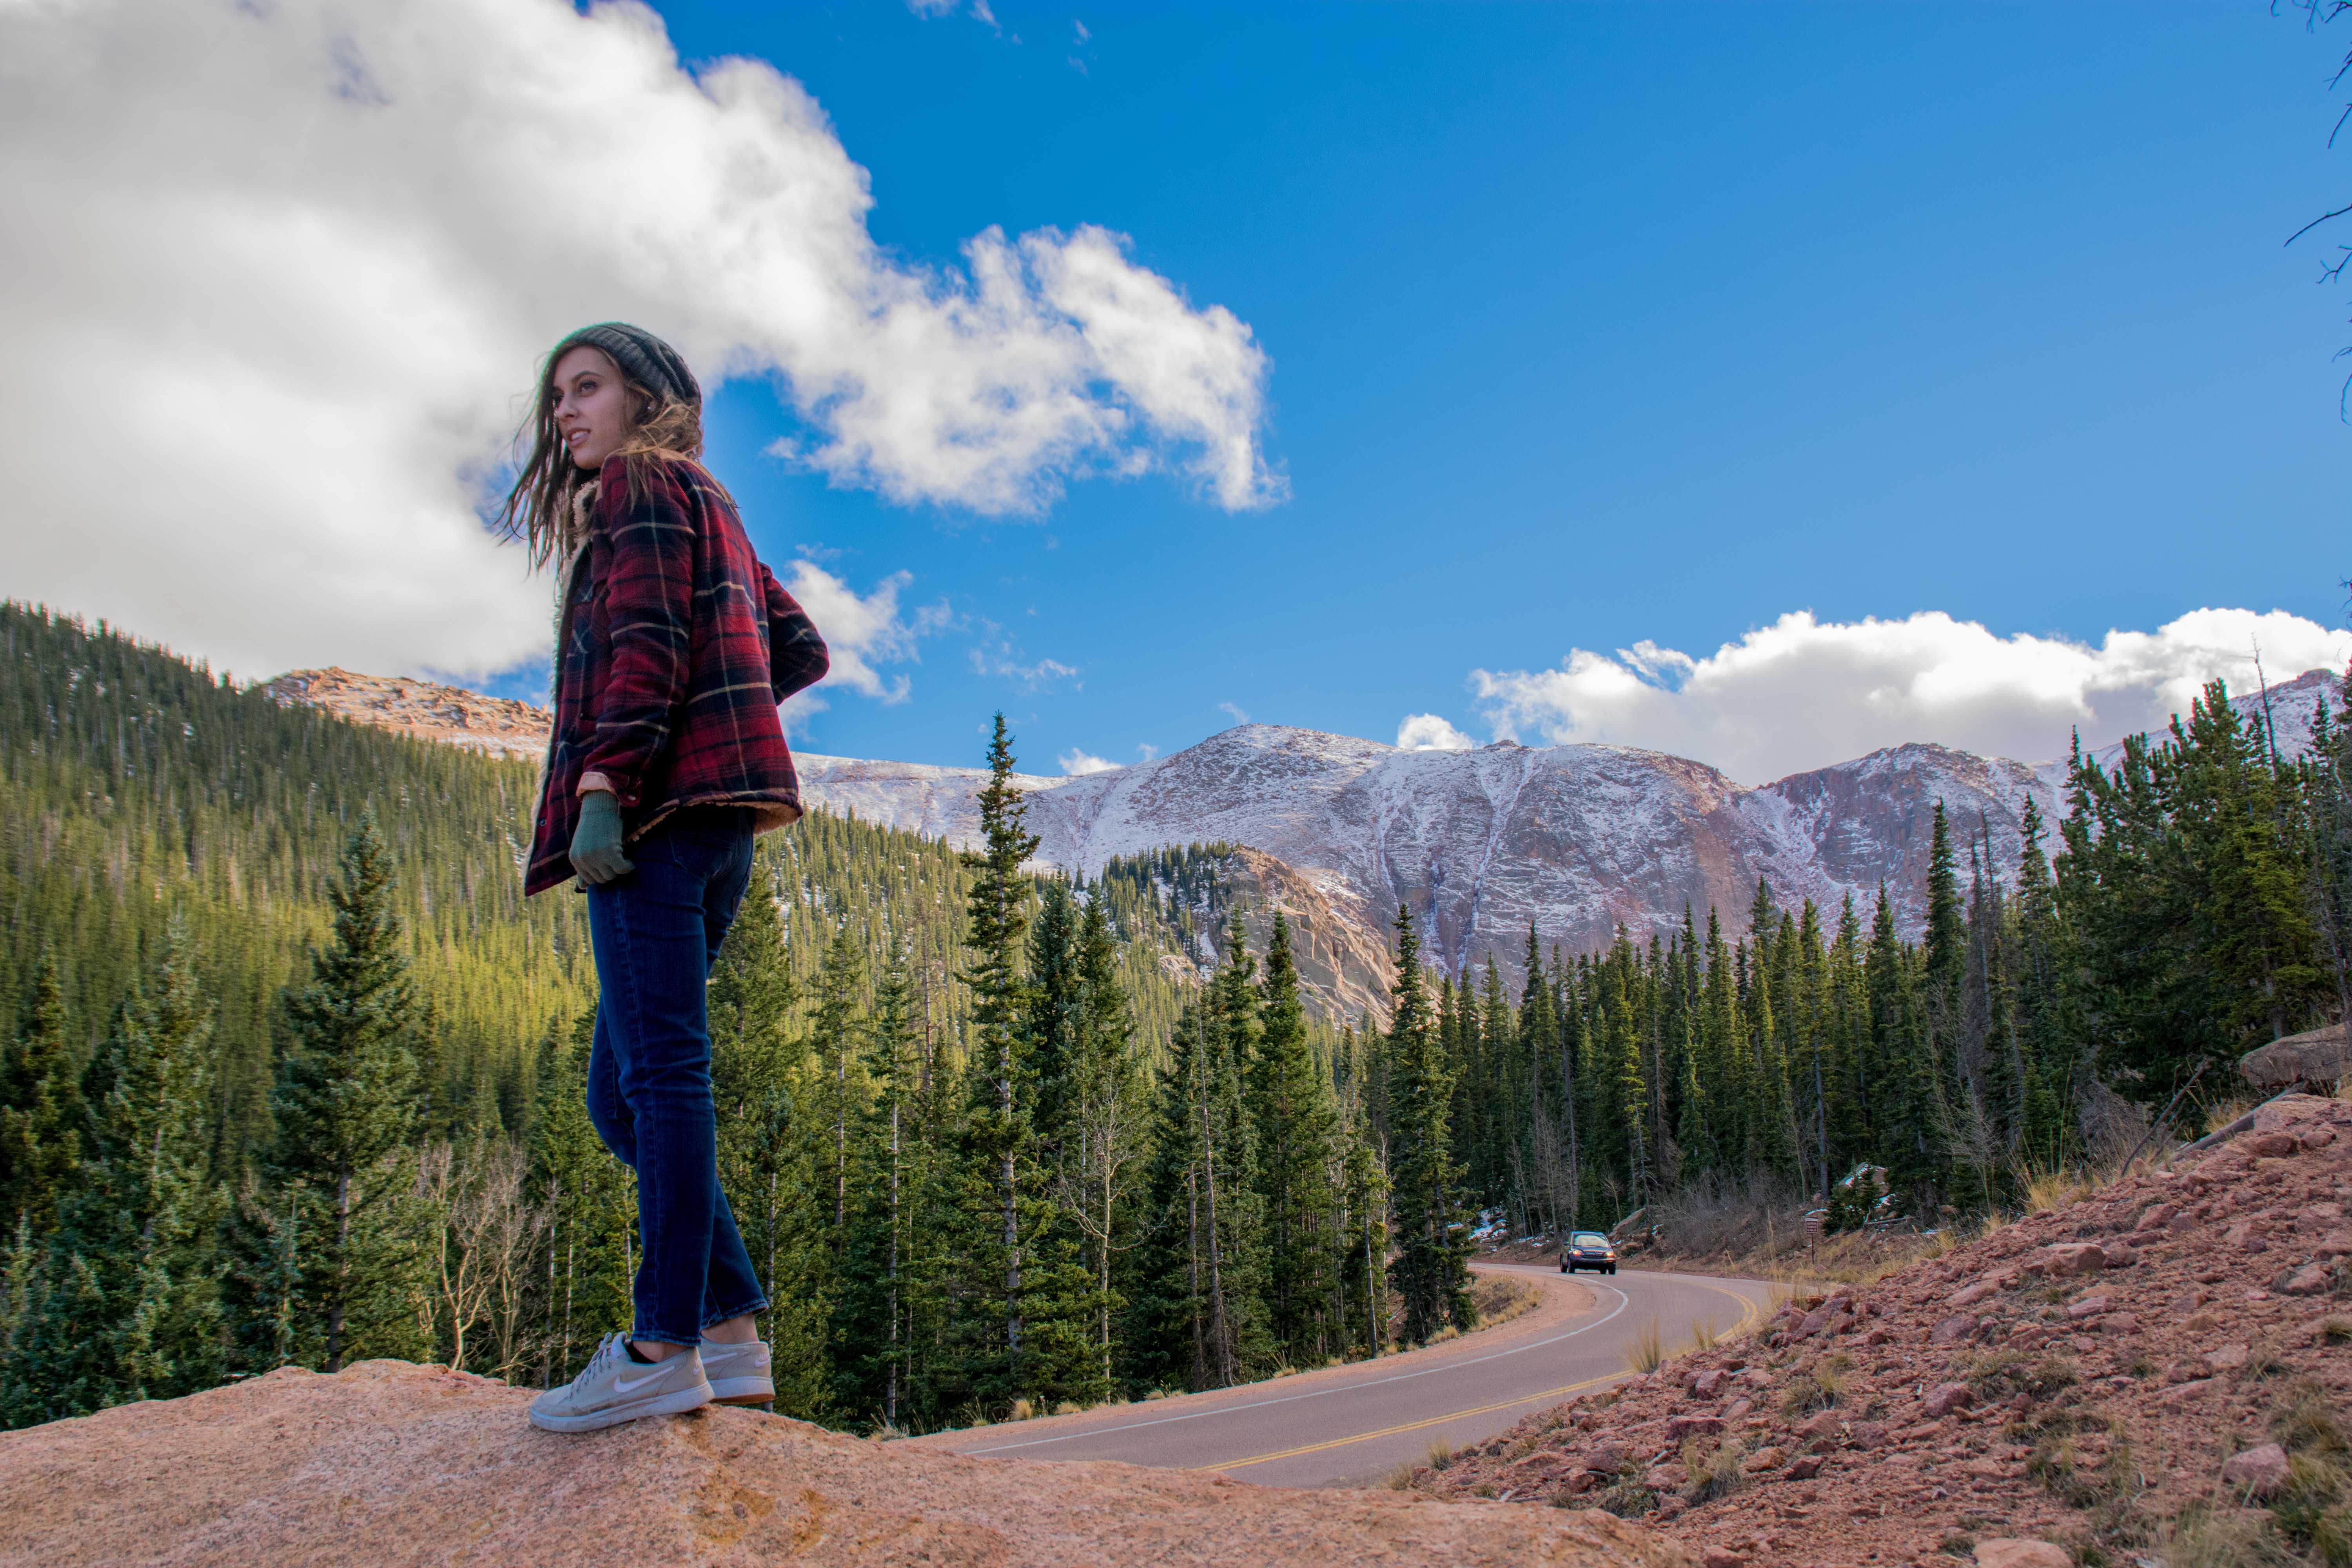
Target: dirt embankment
column 394, row 1464
column 2157, row 1373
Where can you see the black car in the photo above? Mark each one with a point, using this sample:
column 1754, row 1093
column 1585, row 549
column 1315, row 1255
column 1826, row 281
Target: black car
column 1588, row 1250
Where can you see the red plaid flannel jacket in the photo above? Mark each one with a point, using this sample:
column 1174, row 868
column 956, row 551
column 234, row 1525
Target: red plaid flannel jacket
column 676, row 648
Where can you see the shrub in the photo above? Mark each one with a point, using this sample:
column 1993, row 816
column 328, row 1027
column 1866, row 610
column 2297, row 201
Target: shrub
column 2006, row 1373
column 1818, row 1387
column 1714, row 1473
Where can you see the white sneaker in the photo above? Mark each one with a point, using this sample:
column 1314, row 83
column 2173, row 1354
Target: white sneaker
column 614, row 1387
column 738, row 1373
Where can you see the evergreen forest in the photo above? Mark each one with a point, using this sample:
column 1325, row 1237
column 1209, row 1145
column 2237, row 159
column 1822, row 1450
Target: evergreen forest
column 294, row 1075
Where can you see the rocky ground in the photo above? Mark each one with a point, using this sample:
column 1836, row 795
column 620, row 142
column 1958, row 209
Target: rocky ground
column 391, row 1464
column 2157, row 1373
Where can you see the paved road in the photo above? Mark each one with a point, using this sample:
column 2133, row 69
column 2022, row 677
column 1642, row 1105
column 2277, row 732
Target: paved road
column 1353, row 1426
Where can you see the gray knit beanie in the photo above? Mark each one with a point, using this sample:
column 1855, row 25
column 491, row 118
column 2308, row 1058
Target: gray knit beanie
column 643, row 358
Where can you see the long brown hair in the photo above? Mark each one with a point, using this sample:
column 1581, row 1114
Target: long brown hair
column 539, row 509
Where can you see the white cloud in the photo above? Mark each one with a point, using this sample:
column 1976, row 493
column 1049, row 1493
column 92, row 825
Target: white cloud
column 1430, row 732
column 1233, row 710
column 997, row 655
column 278, row 275
column 1078, row 764
column 862, row 631
column 1802, row 693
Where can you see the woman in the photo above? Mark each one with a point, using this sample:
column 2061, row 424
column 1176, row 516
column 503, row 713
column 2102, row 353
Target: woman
column 673, row 647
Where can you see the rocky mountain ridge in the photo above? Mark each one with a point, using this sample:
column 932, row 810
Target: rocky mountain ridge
column 425, row 710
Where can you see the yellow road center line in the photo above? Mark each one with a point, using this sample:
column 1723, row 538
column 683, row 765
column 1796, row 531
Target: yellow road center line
column 1412, row 1426
column 1749, row 1312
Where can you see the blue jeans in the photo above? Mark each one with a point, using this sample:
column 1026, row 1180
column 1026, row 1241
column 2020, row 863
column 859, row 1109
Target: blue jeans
column 655, row 932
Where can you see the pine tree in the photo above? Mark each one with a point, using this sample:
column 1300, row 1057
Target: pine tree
column 1292, row 1110
column 1551, row 1061
column 41, row 1112
column 1902, row 1039
column 1431, row 1268
column 1947, row 936
column 2186, row 897
column 1105, row 1124
column 143, row 1216
column 346, row 1114
column 836, row 1087
column 2044, row 1041
column 772, row 1095
column 875, row 1320
column 1034, row 1342
column 1360, row 1310
column 1722, row 1045
column 996, row 1124
column 591, row 1202
column 1051, row 1013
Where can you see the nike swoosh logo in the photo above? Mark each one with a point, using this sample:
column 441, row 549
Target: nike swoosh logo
column 621, row 1387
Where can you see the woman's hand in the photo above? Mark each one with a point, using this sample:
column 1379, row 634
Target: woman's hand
column 596, row 842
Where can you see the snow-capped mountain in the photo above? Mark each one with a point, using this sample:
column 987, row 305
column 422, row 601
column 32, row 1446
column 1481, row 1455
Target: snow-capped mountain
column 1481, row 844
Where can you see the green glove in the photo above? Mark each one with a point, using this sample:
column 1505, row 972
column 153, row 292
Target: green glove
column 596, row 842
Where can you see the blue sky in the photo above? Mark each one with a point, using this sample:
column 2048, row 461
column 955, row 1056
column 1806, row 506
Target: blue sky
column 1763, row 382
column 1598, row 324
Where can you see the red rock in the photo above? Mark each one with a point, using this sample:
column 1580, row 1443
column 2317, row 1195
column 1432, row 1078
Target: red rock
column 1868, row 1434
column 2310, row 1279
column 2258, row 1472
column 2270, row 1145
column 2157, row 1217
column 1950, row 1328
column 2184, row 1394
column 1805, row 1469
column 2317, row 1138
column 2088, row 1307
column 1824, row 1425
column 2069, row 1257
column 1708, row 1384
column 1722, row 1557
column 2119, row 1323
column 2012, row 1551
column 1947, row 1397
column 1682, row 1426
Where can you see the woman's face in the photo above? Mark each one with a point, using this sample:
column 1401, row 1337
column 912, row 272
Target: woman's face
column 592, row 406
